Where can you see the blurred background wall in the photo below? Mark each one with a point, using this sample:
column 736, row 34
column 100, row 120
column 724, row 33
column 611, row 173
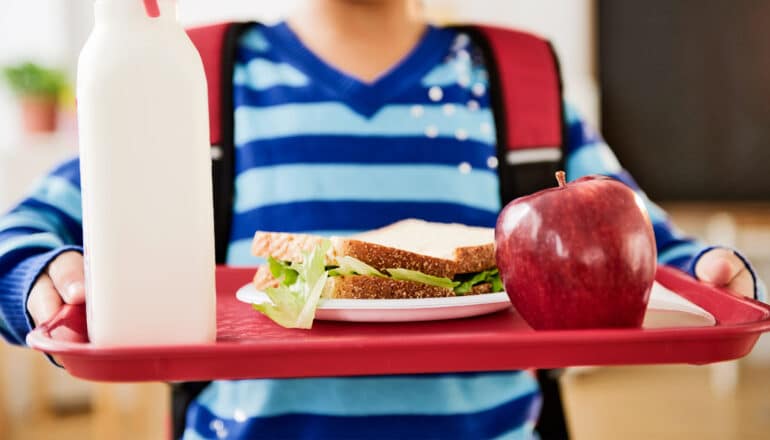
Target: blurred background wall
column 617, row 38
column 686, row 95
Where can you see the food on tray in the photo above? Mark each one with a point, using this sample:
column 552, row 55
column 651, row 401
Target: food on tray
column 408, row 259
column 581, row 255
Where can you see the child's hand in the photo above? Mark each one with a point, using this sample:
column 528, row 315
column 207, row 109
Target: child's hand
column 61, row 283
column 721, row 267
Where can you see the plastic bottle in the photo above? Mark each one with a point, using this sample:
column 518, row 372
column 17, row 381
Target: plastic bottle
column 146, row 179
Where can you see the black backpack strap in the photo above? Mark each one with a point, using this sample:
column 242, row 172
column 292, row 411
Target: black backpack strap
column 182, row 394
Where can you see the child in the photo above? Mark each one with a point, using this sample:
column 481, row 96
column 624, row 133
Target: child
column 351, row 115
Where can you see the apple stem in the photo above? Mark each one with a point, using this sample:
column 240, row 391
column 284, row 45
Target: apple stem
column 561, row 177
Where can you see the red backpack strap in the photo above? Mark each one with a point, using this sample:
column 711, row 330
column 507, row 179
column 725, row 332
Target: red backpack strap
column 526, row 90
column 217, row 47
column 210, row 42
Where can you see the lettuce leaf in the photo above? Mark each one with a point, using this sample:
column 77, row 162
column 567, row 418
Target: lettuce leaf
column 497, row 282
column 354, row 266
column 413, row 275
column 466, row 283
column 294, row 305
column 282, row 271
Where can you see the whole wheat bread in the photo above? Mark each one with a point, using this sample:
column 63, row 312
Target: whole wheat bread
column 370, row 287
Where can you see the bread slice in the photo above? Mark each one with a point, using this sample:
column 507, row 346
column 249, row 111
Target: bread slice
column 438, row 249
column 264, row 279
column 285, row 246
column 471, row 259
column 470, row 248
column 429, row 238
column 384, row 257
column 369, row 287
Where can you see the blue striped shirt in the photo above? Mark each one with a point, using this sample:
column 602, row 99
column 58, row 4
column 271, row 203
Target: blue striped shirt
column 319, row 151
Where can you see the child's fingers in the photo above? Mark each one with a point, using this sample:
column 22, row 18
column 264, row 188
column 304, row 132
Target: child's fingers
column 743, row 283
column 67, row 274
column 716, row 270
column 718, row 266
column 721, row 267
column 43, row 301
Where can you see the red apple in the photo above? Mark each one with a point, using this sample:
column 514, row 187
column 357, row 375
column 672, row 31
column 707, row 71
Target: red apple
column 580, row 255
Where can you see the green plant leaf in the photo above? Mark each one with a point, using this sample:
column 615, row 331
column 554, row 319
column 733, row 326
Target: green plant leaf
column 29, row 79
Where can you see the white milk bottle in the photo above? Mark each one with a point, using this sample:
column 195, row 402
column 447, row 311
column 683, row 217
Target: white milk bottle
column 146, row 179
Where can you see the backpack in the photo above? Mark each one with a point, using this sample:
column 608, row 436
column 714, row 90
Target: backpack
column 526, row 90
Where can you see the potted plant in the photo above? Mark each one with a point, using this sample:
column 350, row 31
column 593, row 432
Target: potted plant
column 38, row 89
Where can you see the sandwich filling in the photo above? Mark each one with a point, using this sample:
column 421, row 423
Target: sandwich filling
column 288, row 273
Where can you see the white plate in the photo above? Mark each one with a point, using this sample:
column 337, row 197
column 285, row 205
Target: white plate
column 395, row 310
column 666, row 309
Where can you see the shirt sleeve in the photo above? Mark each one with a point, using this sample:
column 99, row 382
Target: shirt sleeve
column 587, row 153
column 32, row 234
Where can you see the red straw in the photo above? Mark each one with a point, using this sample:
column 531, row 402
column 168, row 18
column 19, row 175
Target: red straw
column 151, row 6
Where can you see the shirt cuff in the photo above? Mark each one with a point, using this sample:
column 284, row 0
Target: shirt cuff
column 760, row 291
column 17, row 285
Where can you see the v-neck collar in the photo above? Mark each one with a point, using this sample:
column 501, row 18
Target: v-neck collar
column 366, row 98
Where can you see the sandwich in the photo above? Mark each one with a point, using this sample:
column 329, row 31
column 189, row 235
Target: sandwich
column 408, row 259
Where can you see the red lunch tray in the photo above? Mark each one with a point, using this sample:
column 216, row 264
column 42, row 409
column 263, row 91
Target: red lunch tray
column 249, row 345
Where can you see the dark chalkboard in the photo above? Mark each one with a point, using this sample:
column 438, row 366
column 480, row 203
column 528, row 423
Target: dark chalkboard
column 686, row 95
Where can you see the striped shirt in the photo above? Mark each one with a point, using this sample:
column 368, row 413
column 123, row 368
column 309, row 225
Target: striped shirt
column 319, row 151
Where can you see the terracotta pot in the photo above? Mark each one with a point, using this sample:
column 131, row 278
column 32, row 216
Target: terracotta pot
column 38, row 114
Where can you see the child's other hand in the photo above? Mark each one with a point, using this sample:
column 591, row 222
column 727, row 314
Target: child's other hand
column 62, row 282
column 721, row 267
